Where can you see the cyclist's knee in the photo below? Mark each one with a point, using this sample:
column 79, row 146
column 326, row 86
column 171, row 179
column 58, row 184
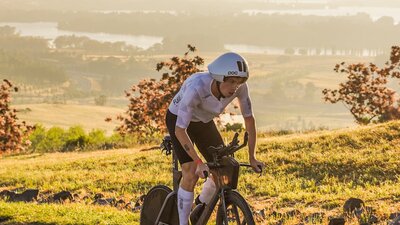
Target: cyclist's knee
column 189, row 177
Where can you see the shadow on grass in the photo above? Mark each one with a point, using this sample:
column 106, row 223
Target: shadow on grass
column 5, row 220
column 150, row 148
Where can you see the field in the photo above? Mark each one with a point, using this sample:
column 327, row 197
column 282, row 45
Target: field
column 64, row 116
column 313, row 173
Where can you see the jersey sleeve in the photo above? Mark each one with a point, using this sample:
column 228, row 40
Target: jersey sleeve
column 190, row 99
column 245, row 101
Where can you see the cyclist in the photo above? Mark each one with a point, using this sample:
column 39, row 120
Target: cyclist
column 189, row 120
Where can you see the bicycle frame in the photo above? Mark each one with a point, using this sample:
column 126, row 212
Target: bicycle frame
column 225, row 175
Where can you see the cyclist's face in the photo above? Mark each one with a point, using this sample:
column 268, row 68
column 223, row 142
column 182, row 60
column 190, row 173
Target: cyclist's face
column 230, row 85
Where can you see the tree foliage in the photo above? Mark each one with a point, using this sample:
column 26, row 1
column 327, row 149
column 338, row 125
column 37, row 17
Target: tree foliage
column 12, row 133
column 366, row 93
column 149, row 100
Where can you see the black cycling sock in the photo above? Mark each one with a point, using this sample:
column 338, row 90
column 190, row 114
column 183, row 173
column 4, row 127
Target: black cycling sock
column 197, row 200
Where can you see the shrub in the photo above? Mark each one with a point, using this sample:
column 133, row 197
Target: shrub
column 75, row 139
column 12, row 134
column 236, row 127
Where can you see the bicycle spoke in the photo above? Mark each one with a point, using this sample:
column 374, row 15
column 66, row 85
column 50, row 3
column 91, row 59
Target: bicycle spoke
column 237, row 216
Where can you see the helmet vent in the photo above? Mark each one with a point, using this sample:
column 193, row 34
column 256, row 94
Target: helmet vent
column 239, row 63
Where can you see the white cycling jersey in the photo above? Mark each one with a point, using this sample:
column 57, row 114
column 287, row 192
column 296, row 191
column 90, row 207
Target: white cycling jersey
column 195, row 102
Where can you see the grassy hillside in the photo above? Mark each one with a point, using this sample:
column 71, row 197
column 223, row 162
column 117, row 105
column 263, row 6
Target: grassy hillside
column 313, row 172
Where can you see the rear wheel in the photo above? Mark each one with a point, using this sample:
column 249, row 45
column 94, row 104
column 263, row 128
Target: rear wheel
column 152, row 204
column 237, row 211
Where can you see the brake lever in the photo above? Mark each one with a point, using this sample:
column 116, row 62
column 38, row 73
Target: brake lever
column 235, row 140
column 165, row 146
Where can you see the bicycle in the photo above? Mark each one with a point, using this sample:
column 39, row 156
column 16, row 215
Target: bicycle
column 160, row 204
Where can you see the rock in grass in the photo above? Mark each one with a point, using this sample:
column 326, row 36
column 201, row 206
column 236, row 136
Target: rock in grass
column 62, row 196
column 6, row 194
column 337, row 221
column 28, row 195
column 352, row 204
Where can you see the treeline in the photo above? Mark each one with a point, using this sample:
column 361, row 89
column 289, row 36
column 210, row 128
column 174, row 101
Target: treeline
column 213, row 30
column 23, row 68
column 93, row 46
column 31, row 61
column 20, row 59
column 11, row 41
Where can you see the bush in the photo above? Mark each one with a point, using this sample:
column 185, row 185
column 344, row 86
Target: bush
column 12, row 134
column 75, row 139
column 100, row 100
column 51, row 141
column 236, row 127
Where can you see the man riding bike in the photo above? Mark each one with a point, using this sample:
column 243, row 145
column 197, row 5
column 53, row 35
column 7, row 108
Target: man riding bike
column 189, row 120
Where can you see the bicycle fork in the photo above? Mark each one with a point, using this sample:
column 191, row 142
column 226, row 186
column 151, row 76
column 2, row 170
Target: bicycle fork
column 224, row 207
column 210, row 207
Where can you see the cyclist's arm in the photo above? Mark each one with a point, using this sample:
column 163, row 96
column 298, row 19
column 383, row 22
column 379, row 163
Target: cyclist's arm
column 185, row 113
column 249, row 121
column 250, row 125
column 186, row 143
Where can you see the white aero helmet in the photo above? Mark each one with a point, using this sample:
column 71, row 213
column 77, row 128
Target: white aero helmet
column 228, row 65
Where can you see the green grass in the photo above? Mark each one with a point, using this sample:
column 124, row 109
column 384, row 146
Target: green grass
column 46, row 214
column 314, row 172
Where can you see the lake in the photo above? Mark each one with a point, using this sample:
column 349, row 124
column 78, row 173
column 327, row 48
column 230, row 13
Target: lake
column 50, row 31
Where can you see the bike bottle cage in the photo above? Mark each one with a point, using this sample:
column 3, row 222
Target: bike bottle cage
column 166, row 145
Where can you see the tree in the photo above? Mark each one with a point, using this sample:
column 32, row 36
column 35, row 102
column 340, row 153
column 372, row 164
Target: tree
column 100, row 100
column 365, row 93
column 149, row 100
column 12, row 133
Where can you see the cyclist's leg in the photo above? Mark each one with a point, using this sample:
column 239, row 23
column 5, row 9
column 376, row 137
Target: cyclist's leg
column 207, row 135
column 186, row 162
column 189, row 178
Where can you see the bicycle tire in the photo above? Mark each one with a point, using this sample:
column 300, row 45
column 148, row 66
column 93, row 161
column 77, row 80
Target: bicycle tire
column 152, row 204
column 234, row 202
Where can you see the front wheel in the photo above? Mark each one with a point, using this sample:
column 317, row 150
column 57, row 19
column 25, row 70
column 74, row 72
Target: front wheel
column 237, row 210
column 152, row 204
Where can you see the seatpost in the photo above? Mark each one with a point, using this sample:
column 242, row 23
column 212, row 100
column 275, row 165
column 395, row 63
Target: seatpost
column 176, row 174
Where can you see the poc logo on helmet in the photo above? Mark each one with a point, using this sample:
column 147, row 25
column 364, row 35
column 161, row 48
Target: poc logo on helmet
column 235, row 73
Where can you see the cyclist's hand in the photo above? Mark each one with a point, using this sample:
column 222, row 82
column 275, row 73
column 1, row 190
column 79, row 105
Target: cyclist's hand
column 257, row 166
column 201, row 168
